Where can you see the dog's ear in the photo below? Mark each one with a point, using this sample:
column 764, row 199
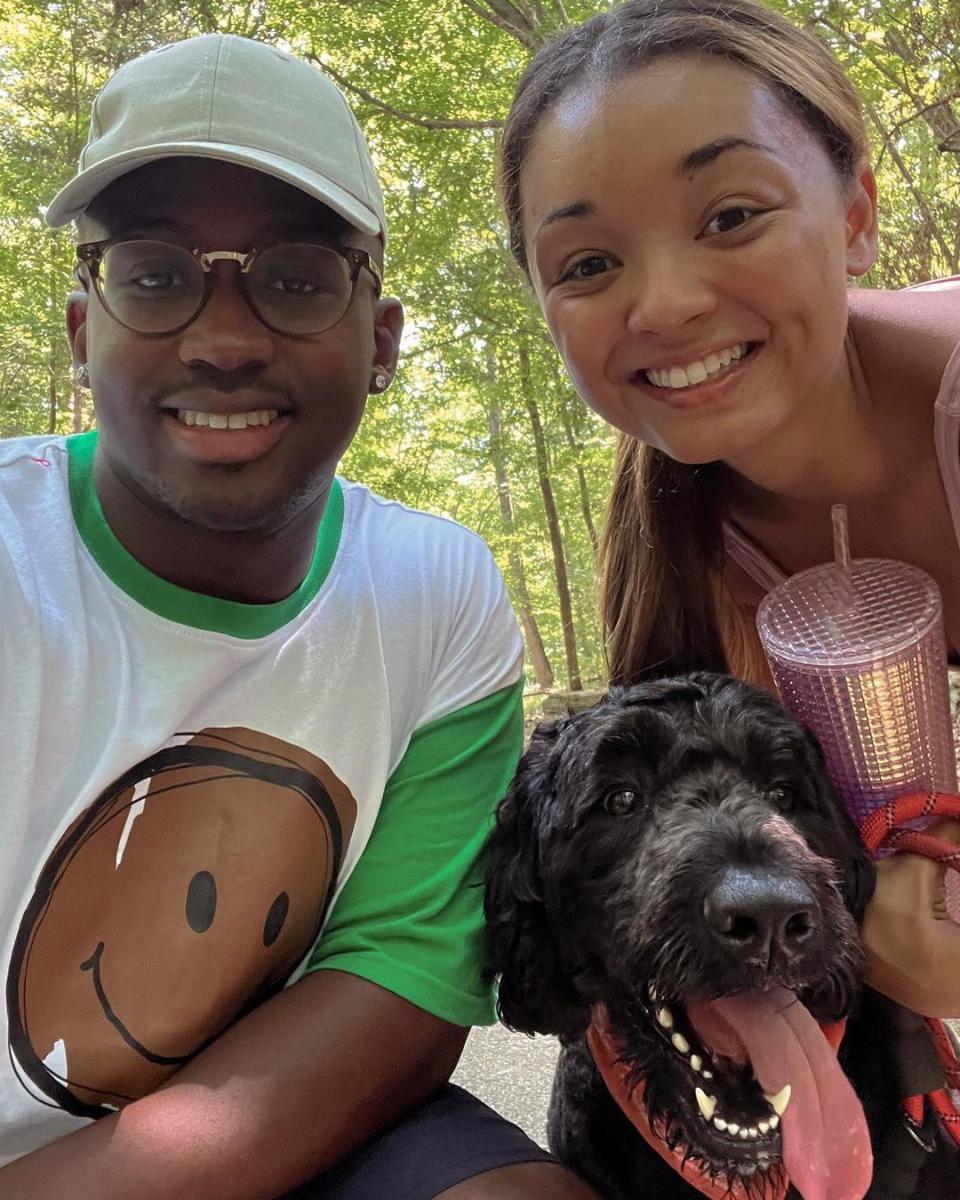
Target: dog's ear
column 536, row 993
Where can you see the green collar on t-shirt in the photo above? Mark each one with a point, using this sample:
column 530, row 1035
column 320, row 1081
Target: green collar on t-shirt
column 176, row 603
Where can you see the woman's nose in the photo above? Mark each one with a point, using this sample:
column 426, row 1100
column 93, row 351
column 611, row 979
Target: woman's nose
column 666, row 292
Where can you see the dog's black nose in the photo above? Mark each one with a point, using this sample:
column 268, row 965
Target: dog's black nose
column 761, row 915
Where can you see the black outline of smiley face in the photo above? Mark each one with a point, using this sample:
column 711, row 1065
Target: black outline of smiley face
column 285, row 774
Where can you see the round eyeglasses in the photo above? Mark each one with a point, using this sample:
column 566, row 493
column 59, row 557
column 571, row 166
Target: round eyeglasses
column 157, row 288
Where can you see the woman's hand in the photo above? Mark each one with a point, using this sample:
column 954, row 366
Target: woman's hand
column 913, row 946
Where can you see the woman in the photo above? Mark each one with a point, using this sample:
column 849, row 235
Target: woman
column 688, row 190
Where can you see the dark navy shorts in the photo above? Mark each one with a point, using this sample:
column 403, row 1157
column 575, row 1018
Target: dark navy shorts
column 451, row 1138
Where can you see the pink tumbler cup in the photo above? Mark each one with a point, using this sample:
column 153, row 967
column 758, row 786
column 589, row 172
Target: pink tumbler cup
column 858, row 654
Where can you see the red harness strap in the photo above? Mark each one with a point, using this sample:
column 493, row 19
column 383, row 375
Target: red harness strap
column 883, row 830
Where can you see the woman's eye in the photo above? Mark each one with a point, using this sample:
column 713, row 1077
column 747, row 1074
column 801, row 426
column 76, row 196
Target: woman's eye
column 730, row 219
column 621, row 802
column 585, row 268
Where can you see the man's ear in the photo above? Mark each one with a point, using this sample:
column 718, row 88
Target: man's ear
column 387, row 331
column 862, row 223
column 77, row 325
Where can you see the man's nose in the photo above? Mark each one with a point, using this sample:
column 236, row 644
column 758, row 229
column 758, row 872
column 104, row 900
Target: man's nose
column 227, row 334
column 667, row 292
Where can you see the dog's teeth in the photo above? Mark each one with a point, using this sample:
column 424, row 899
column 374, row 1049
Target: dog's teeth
column 708, row 1074
column 706, row 1103
column 680, row 1043
column 774, row 1121
column 780, row 1101
column 733, row 1128
column 652, row 993
column 696, row 1061
column 720, row 1123
column 753, row 1132
column 744, row 1133
column 763, row 1126
column 665, row 1017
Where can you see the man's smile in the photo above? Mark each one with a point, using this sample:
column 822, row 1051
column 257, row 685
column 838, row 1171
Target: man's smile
column 235, row 437
column 217, row 420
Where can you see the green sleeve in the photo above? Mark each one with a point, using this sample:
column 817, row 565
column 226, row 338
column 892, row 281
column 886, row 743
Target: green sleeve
column 410, row 917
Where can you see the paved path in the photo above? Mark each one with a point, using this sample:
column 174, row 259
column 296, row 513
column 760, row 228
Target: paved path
column 512, row 1073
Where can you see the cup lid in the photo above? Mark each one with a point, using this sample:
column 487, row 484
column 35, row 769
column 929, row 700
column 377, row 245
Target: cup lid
column 829, row 616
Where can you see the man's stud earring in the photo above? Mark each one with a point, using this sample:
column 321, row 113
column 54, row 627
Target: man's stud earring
column 81, row 373
column 380, row 380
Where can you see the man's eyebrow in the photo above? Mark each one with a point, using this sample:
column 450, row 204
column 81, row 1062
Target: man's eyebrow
column 141, row 226
column 704, row 155
column 327, row 227
column 330, row 233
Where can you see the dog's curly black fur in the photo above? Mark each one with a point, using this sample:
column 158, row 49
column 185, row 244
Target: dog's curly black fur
column 618, row 824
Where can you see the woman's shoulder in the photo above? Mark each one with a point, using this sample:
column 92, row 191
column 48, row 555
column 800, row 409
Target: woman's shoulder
column 909, row 336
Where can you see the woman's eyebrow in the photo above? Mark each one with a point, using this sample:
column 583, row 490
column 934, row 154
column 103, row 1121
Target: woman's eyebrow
column 704, row 155
column 694, row 161
column 581, row 208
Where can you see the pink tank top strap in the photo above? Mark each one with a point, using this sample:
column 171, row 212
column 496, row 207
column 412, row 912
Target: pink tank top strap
column 751, row 558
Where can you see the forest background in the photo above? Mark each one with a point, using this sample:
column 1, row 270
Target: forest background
column 481, row 423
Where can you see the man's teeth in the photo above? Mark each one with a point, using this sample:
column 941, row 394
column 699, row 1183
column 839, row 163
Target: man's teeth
column 263, row 416
column 696, row 372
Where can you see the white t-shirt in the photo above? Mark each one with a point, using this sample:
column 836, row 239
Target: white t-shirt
column 189, row 784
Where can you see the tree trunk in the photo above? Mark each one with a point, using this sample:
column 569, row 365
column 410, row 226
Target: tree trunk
column 518, row 578
column 577, row 447
column 553, row 523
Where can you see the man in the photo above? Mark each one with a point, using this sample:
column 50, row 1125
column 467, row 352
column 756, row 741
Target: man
column 255, row 718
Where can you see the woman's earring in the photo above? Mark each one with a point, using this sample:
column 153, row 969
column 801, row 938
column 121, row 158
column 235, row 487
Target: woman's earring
column 81, row 373
column 380, row 381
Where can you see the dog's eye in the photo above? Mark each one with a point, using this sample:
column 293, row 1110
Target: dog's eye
column 620, row 803
column 783, row 796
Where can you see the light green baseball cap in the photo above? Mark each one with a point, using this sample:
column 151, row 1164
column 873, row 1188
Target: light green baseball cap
column 236, row 100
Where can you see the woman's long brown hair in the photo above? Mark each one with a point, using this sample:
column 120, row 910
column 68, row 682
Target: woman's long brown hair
column 665, row 605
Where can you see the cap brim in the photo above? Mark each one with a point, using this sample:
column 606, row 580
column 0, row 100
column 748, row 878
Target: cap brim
column 72, row 200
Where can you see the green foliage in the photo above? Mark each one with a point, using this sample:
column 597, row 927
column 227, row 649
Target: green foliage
column 430, row 82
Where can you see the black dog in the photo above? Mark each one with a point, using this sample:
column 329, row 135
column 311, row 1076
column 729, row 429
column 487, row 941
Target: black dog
column 674, row 888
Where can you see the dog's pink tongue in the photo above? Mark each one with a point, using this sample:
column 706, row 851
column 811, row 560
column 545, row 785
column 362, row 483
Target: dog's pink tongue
column 826, row 1146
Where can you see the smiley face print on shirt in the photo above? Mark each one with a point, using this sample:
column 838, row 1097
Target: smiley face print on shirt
column 183, row 896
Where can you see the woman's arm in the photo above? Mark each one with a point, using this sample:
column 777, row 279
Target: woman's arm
column 913, row 946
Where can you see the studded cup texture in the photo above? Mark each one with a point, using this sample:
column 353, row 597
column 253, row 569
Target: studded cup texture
column 860, row 659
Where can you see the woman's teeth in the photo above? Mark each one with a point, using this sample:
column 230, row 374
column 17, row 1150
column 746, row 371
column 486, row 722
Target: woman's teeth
column 693, row 373
column 263, row 416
